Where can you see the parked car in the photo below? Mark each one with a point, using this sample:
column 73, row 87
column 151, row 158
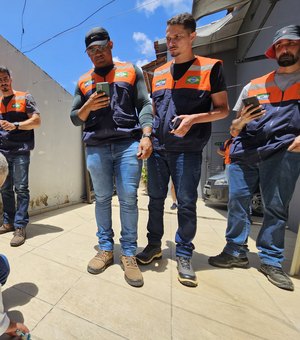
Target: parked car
column 215, row 191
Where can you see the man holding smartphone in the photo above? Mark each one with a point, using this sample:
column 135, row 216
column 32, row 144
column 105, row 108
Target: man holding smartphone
column 188, row 93
column 265, row 151
column 117, row 134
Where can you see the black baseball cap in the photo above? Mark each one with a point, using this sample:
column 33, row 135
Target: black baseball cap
column 291, row 32
column 96, row 36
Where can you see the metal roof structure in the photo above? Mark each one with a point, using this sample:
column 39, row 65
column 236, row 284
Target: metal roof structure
column 220, row 35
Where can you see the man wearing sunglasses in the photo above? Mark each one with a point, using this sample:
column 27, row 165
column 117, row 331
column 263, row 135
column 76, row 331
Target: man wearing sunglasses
column 117, row 133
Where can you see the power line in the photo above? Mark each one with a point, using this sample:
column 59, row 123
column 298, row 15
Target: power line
column 69, row 29
column 105, row 20
column 22, row 23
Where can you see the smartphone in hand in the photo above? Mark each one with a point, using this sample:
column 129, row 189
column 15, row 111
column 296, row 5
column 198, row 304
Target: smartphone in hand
column 103, row 87
column 254, row 101
column 176, row 123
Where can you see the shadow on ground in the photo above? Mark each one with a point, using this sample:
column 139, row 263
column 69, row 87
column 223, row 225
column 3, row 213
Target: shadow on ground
column 33, row 230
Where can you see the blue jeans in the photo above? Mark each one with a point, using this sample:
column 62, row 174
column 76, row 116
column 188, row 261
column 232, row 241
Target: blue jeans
column 105, row 162
column 185, row 171
column 277, row 176
column 16, row 182
column 4, row 269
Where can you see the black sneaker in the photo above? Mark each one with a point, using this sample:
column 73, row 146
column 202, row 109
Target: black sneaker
column 186, row 274
column 277, row 276
column 225, row 260
column 150, row 253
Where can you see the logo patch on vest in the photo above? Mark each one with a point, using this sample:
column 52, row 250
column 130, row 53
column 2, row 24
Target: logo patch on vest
column 263, row 96
column 88, row 83
column 193, row 80
column 122, row 74
column 160, row 82
column 16, row 106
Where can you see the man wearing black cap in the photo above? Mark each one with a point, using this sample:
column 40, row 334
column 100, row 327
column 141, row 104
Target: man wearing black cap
column 266, row 151
column 117, row 133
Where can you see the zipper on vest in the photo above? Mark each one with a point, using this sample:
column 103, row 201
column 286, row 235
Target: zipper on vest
column 162, row 127
column 282, row 95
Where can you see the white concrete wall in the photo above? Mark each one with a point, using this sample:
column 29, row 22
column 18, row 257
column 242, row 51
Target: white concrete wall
column 56, row 169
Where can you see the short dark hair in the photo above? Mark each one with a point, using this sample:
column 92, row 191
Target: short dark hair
column 185, row 19
column 4, row 69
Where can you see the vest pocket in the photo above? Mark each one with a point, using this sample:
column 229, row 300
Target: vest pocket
column 123, row 111
column 123, row 119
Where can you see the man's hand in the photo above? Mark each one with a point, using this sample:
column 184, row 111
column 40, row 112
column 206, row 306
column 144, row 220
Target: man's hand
column 95, row 102
column 295, row 146
column 244, row 117
column 184, row 127
column 98, row 101
column 145, row 148
column 246, row 114
column 5, row 125
column 13, row 326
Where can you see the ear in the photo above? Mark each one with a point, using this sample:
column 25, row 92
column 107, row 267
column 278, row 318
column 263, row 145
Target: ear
column 111, row 44
column 193, row 36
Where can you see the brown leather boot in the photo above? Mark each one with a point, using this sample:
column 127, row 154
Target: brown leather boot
column 100, row 262
column 132, row 272
column 19, row 237
column 6, row 228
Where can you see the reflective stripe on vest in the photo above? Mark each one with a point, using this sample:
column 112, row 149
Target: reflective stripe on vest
column 189, row 95
column 122, row 72
column 16, row 104
column 276, row 129
column 15, row 141
column 197, row 76
column 267, row 92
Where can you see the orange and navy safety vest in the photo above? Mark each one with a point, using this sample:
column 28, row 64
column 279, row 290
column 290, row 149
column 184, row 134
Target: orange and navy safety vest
column 188, row 95
column 121, row 115
column 277, row 129
column 15, row 141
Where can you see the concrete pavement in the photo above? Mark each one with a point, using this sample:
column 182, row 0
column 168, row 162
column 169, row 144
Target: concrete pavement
column 51, row 290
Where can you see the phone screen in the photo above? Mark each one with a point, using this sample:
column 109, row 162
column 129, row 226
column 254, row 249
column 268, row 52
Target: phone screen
column 254, row 101
column 176, row 123
column 103, row 87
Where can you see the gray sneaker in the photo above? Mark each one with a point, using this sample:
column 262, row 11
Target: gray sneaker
column 186, row 274
column 277, row 276
column 19, row 237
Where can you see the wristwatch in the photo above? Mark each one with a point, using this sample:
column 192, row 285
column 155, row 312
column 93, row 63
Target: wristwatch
column 16, row 124
column 148, row 134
